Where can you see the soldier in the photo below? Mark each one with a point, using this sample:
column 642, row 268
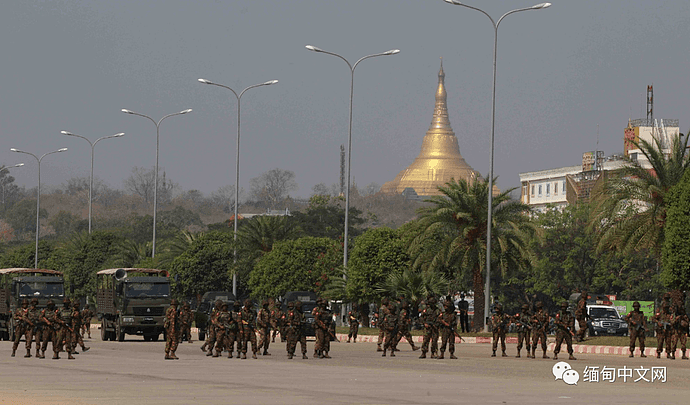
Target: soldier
column 224, row 323
column 211, row 329
column 294, row 322
column 565, row 323
column 263, row 321
column 379, row 322
column 171, row 331
column 464, row 307
column 248, row 317
column 51, row 330
column 581, row 316
column 664, row 321
column 64, row 337
column 277, row 318
column 19, row 326
column 76, row 329
column 186, row 319
column 540, row 321
column 448, row 323
column 86, row 315
column 429, row 317
column 390, row 324
column 404, row 326
column 353, row 317
column 680, row 324
column 33, row 330
column 637, row 325
column 499, row 326
column 322, row 322
column 524, row 328
column 239, row 334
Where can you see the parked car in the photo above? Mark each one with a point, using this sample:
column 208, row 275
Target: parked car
column 605, row 320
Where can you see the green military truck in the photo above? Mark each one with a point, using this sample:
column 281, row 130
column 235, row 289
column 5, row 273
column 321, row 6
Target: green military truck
column 132, row 301
column 17, row 284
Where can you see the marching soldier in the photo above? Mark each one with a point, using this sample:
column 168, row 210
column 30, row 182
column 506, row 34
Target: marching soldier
column 565, row 322
column 448, row 323
column 353, row 317
column 64, row 337
column 430, row 316
column 581, row 316
column 263, row 321
column 680, row 324
column 540, row 322
column 51, row 330
column 298, row 320
column 379, row 322
column 86, row 315
column 186, row 319
column 390, row 323
column 277, row 318
column 211, row 329
column 664, row 322
column 499, row 326
column 524, row 328
column 248, row 317
column 224, row 324
column 322, row 323
column 637, row 326
column 404, row 326
column 171, row 329
column 19, row 326
column 239, row 334
column 32, row 321
column 76, row 329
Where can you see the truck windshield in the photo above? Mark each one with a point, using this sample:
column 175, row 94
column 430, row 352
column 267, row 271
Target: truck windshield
column 144, row 290
column 604, row 313
column 41, row 289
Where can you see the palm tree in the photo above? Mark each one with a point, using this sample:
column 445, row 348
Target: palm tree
column 630, row 207
column 414, row 285
column 258, row 235
column 131, row 254
column 176, row 246
column 453, row 235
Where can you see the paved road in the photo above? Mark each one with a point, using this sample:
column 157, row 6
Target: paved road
column 134, row 372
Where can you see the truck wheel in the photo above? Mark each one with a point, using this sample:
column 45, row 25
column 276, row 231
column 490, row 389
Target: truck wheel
column 120, row 334
column 202, row 336
column 104, row 334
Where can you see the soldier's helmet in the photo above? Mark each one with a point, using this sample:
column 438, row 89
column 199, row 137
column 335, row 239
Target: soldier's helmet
column 224, row 307
column 564, row 304
column 290, row 305
column 186, row 305
column 264, row 303
column 34, row 301
column 298, row 305
column 51, row 304
column 218, row 303
column 636, row 305
column 405, row 304
column 432, row 301
column 539, row 305
column 498, row 307
column 173, row 302
column 384, row 301
column 25, row 302
column 86, row 306
column 525, row 306
column 247, row 303
column 76, row 304
column 236, row 305
column 66, row 302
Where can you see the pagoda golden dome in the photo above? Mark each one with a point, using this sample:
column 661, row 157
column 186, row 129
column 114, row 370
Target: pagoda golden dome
column 440, row 160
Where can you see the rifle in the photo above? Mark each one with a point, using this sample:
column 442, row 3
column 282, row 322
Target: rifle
column 455, row 332
column 564, row 328
column 666, row 325
column 519, row 322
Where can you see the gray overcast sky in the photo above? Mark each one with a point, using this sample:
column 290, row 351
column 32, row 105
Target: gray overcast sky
column 72, row 65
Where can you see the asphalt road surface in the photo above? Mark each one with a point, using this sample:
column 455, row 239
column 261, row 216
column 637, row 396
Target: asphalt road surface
column 134, row 372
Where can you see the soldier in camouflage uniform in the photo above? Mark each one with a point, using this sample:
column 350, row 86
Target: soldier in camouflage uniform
column 390, row 326
column 277, row 317
column 565, row 323
column 76, row 329
column 186, row 319
column 64, row 337
column 353, row 318
column 524, row 329
column 379, row 322
column 581, row 316
column 171, row 331
column 263, row 321
column 664, row 326
column 404, row 326
column 224, row 324
column 499, row 326
column 50, row 331
column 680, row 325
column 540, row 321
column 637, row 325
column 86, row 315
column 19, row 327
column 429, row 317
column 322, row 322
column 32, row 322
column 236, row 314
column 448, row 323
column 248, row 319
column 294, row 322
column 211, row 329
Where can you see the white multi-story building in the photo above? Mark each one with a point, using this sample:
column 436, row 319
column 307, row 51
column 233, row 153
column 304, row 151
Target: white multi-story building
column 546, row 187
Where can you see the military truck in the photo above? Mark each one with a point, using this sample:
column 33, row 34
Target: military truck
column 132, row 301
column 17, row 284
column 308, row 299
column 203, row 311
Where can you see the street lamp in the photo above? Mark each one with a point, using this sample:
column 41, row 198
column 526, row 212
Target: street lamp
column 93, row 145
column 349, row 135
column 38, row 194
column 495, row 24
column 237, row 163
column 155, row 181
column 3, row 183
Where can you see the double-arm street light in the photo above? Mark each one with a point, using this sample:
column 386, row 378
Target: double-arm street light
column 495, row 24
column 349, row 135
column 155, row 181
column 93, row 146
column 237, row 164
column 38, row 194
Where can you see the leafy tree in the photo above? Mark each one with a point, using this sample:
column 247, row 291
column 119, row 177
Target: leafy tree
column 273, row 186
column 129, row 253
column 205, row 266
column 179, row 218
column 676, row 251
column 10, row 191
column 304, row 264
column 64, row 223
column 324, row 217
column 22, row 217
column 458, row 218
column 630, row 208
column 413, row 285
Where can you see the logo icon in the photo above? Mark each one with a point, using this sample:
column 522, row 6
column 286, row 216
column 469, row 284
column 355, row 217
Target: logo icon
column 563, row 371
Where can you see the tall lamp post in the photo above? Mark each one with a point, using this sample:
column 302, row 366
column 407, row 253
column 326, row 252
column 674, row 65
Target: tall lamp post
column 93, row 146
column 237, row 165
column 155, row 181
column 38, row 195
column 3, row 184
column 495, row 24
column 349, row 134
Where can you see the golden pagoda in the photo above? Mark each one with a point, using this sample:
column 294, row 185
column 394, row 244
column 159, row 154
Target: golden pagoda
column 440, row 160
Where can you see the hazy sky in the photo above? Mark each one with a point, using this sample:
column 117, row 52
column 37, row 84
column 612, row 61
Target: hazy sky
column 562, row 71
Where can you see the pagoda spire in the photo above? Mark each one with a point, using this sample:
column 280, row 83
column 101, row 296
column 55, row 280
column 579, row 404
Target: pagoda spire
column 440, row 119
